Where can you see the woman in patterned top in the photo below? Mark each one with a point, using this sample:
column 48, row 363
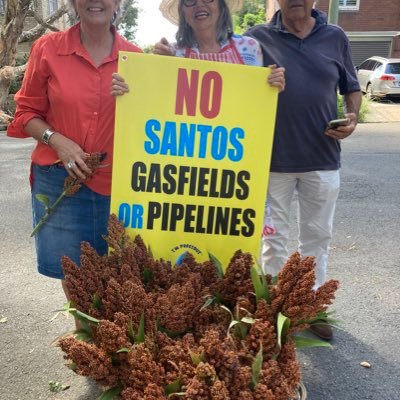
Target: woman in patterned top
column 205, row 32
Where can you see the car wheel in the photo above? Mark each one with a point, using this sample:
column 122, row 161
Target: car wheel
column 368, row 93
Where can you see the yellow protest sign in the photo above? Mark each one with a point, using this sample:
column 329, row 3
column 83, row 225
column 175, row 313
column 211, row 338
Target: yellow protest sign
column 192, row 151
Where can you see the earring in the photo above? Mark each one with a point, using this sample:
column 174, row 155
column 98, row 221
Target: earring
column 114, row 17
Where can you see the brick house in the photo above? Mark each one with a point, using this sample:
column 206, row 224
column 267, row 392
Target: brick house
column 373, row 27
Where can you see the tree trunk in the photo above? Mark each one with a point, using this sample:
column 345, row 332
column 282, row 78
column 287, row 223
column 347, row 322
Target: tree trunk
column 43, row 24
column 11, row 30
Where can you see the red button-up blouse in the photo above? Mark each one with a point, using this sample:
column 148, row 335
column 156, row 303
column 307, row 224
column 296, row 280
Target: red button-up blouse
column 63, row 87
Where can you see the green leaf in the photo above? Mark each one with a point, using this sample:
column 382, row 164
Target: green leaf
column 324, row 317
column 174, row 387
column 197, row 358
column 68, row 305
column 85, row 317
column 256, row 368
column 83, row 335
column 303, row 342
column 82, row 316
column 111, row 393
column 147, row 275
column 248, row 320
column 260, row 284
column 124, row 350
column 241, row 330
column 56, row 387
column 131, row 332
column 43, row 199
column 72, row 366
column 208, row 302
column 258, row 288
column 228, row 310
column 96, row 302
column 140, row 335
column 217, row 265
column 283, row 325
column 233, row 323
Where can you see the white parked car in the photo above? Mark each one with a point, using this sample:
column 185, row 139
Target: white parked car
column 379, row 77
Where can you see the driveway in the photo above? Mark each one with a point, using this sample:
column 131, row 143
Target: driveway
column 384, row 111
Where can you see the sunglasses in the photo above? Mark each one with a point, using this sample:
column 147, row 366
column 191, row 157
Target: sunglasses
column 192, row 3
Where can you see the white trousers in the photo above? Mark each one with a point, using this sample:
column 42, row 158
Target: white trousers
column 317, row 194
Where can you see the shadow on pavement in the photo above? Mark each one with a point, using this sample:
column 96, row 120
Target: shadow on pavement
column 336, row 373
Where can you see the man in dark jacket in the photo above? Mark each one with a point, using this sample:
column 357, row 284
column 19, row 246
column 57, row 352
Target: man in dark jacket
column 306, row 155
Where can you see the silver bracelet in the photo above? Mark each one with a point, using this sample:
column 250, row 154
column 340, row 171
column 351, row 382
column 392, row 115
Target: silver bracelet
column 46, row 135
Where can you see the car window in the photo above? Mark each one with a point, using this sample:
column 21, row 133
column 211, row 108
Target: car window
column 393, row 68
column 364, row 65
column 378, row 67
column 371, row 65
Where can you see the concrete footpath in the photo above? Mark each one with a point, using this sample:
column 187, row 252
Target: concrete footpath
column 382, row 111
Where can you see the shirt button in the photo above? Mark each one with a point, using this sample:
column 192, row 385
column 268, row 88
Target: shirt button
column 95, row 113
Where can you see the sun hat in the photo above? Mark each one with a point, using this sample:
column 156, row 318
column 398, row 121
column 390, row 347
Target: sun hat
column 169, row 9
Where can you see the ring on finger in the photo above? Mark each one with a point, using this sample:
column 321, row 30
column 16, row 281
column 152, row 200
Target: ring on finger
column 71, row 164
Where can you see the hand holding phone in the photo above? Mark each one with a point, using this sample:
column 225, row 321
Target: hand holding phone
column 335, row 123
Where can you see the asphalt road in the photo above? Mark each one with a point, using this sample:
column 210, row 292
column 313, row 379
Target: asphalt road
column 365, row 257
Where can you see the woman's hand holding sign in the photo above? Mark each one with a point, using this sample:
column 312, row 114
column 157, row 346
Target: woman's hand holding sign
column 118, row 85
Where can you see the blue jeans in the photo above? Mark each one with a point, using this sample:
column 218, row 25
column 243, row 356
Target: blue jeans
column 81, row 217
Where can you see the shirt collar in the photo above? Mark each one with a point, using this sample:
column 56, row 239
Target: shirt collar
column 71, row 43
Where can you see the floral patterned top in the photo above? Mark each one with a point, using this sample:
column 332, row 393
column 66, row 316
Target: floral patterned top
column 248, row 49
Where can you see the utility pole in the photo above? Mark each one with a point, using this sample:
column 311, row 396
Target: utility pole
column 333, row 14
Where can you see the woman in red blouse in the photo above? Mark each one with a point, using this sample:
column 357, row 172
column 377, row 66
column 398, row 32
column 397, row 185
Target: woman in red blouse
column 65, row 105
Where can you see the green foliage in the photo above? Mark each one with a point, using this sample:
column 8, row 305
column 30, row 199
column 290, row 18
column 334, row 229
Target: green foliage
column 127, row 25
column 302, row 342
column 282, row 328
column 174, row 387
column 148, row 49
column 96, row 302
column 252, row 13
column 110, row 394
column 197, row 358
column 217, row 265
column 256, row 368
column 241, row 325
column 139, row 337
column 364, row 109
column 260, row 284
column 56, row 387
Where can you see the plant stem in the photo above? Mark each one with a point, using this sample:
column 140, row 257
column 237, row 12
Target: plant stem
column 49, row 210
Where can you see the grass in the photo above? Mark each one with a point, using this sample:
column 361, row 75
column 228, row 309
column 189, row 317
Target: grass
column 364, row 109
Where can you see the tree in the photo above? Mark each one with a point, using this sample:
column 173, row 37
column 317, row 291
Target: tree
column 252, row 13
column 127, row 23
column 12, row 33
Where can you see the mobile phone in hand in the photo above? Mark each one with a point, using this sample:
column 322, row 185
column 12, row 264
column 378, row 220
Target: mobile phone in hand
column 335, row 123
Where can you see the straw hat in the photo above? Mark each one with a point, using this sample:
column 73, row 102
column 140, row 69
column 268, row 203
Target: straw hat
column 169, row 9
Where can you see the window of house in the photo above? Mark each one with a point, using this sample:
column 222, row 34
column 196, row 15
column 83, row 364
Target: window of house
column 349, row 4
column 1, row 7
column 53, row 6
